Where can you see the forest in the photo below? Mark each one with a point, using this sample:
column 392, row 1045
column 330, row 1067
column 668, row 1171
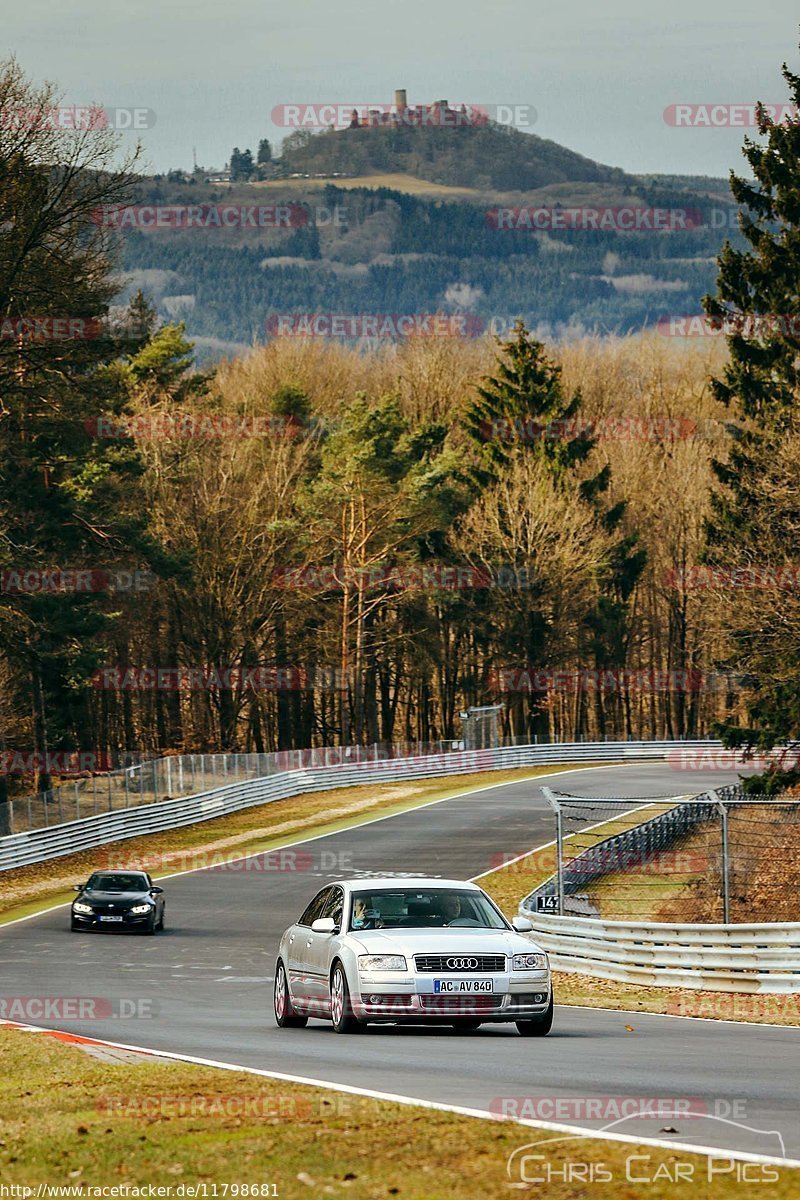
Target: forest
column 315, row 543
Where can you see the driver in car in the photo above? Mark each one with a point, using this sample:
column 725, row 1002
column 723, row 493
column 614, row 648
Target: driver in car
column 451, row 908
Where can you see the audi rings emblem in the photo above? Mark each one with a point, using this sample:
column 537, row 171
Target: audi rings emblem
column 461, row 964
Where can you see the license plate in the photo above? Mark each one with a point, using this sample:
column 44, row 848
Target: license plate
column 441, row 986
column 111, row 918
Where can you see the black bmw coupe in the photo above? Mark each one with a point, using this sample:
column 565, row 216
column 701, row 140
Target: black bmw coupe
column 119, row 900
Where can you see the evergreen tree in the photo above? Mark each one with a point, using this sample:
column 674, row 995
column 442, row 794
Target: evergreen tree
column 757, row 293
column 522, row 412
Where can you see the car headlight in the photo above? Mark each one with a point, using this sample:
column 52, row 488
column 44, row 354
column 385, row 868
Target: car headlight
column 381, row 962
column 84, row 908
column 141, row 908
column 530, row 962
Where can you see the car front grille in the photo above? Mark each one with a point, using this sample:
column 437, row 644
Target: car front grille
column 462, row 964
column 465, row 1005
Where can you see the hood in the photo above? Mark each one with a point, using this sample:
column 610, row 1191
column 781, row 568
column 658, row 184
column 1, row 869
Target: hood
column 462, row 940
column 120, row 898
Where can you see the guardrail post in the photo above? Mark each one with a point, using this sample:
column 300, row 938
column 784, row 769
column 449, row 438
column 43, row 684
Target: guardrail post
column 726, row 860
column 180, row 775
column 168, row 765
column 551, row 800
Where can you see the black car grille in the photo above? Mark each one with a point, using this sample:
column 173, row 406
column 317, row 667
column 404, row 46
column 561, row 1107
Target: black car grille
column 446, row 1005
column 463, row 964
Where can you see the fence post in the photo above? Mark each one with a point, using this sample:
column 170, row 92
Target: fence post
column 726, row 860
column 551, row 800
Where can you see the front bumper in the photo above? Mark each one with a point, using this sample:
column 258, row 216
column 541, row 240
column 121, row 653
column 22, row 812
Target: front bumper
column 396, row 996
column 129, row 920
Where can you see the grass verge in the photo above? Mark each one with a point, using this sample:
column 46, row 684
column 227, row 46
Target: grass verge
column 73, row 1121
column 27, row 890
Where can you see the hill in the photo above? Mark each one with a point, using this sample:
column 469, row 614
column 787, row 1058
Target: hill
column 491, row 157
column 393, row 242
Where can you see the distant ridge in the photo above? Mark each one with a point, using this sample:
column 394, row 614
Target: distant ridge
column 484, row 157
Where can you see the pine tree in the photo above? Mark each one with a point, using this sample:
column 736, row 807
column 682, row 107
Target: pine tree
column 524, row 405
column 757, row 296
column 523, row 411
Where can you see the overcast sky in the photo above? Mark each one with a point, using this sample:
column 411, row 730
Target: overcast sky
column 599, row 73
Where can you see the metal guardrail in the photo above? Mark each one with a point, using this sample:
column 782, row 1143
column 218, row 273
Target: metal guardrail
column 39, row 845
column 724, row 958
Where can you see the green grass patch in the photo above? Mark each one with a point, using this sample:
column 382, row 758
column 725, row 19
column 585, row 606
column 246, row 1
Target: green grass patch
column 73, row 1121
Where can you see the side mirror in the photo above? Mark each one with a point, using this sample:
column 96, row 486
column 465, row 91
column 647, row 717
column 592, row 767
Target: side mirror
column 78, row 887
column 324, row 925
column 156, row 891
column 522, row 925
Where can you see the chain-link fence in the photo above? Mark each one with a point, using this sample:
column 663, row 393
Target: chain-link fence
column 184, row 775
column 721, row 856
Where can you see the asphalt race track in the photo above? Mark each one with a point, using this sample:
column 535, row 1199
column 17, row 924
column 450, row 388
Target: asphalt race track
column 204, row 986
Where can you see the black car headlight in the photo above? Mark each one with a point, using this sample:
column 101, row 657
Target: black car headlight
column 79, row 907
column 138, row 909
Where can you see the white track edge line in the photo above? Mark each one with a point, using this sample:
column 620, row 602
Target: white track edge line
column 438, row 1106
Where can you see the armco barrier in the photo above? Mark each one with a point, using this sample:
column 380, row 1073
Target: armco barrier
column 38, row 845
column 722, row 958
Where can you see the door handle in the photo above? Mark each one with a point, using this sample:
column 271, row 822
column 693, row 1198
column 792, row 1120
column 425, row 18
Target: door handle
column 310, row 942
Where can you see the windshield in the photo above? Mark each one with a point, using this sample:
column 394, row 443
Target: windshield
column 423, row 908
column 117, row 883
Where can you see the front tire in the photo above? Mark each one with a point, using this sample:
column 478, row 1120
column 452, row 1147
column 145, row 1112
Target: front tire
column 285, row 1015
column 341, row 1009
column 538, row 1026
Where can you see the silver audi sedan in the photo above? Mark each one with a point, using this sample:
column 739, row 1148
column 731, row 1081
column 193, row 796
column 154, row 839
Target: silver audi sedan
column 411, row 951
